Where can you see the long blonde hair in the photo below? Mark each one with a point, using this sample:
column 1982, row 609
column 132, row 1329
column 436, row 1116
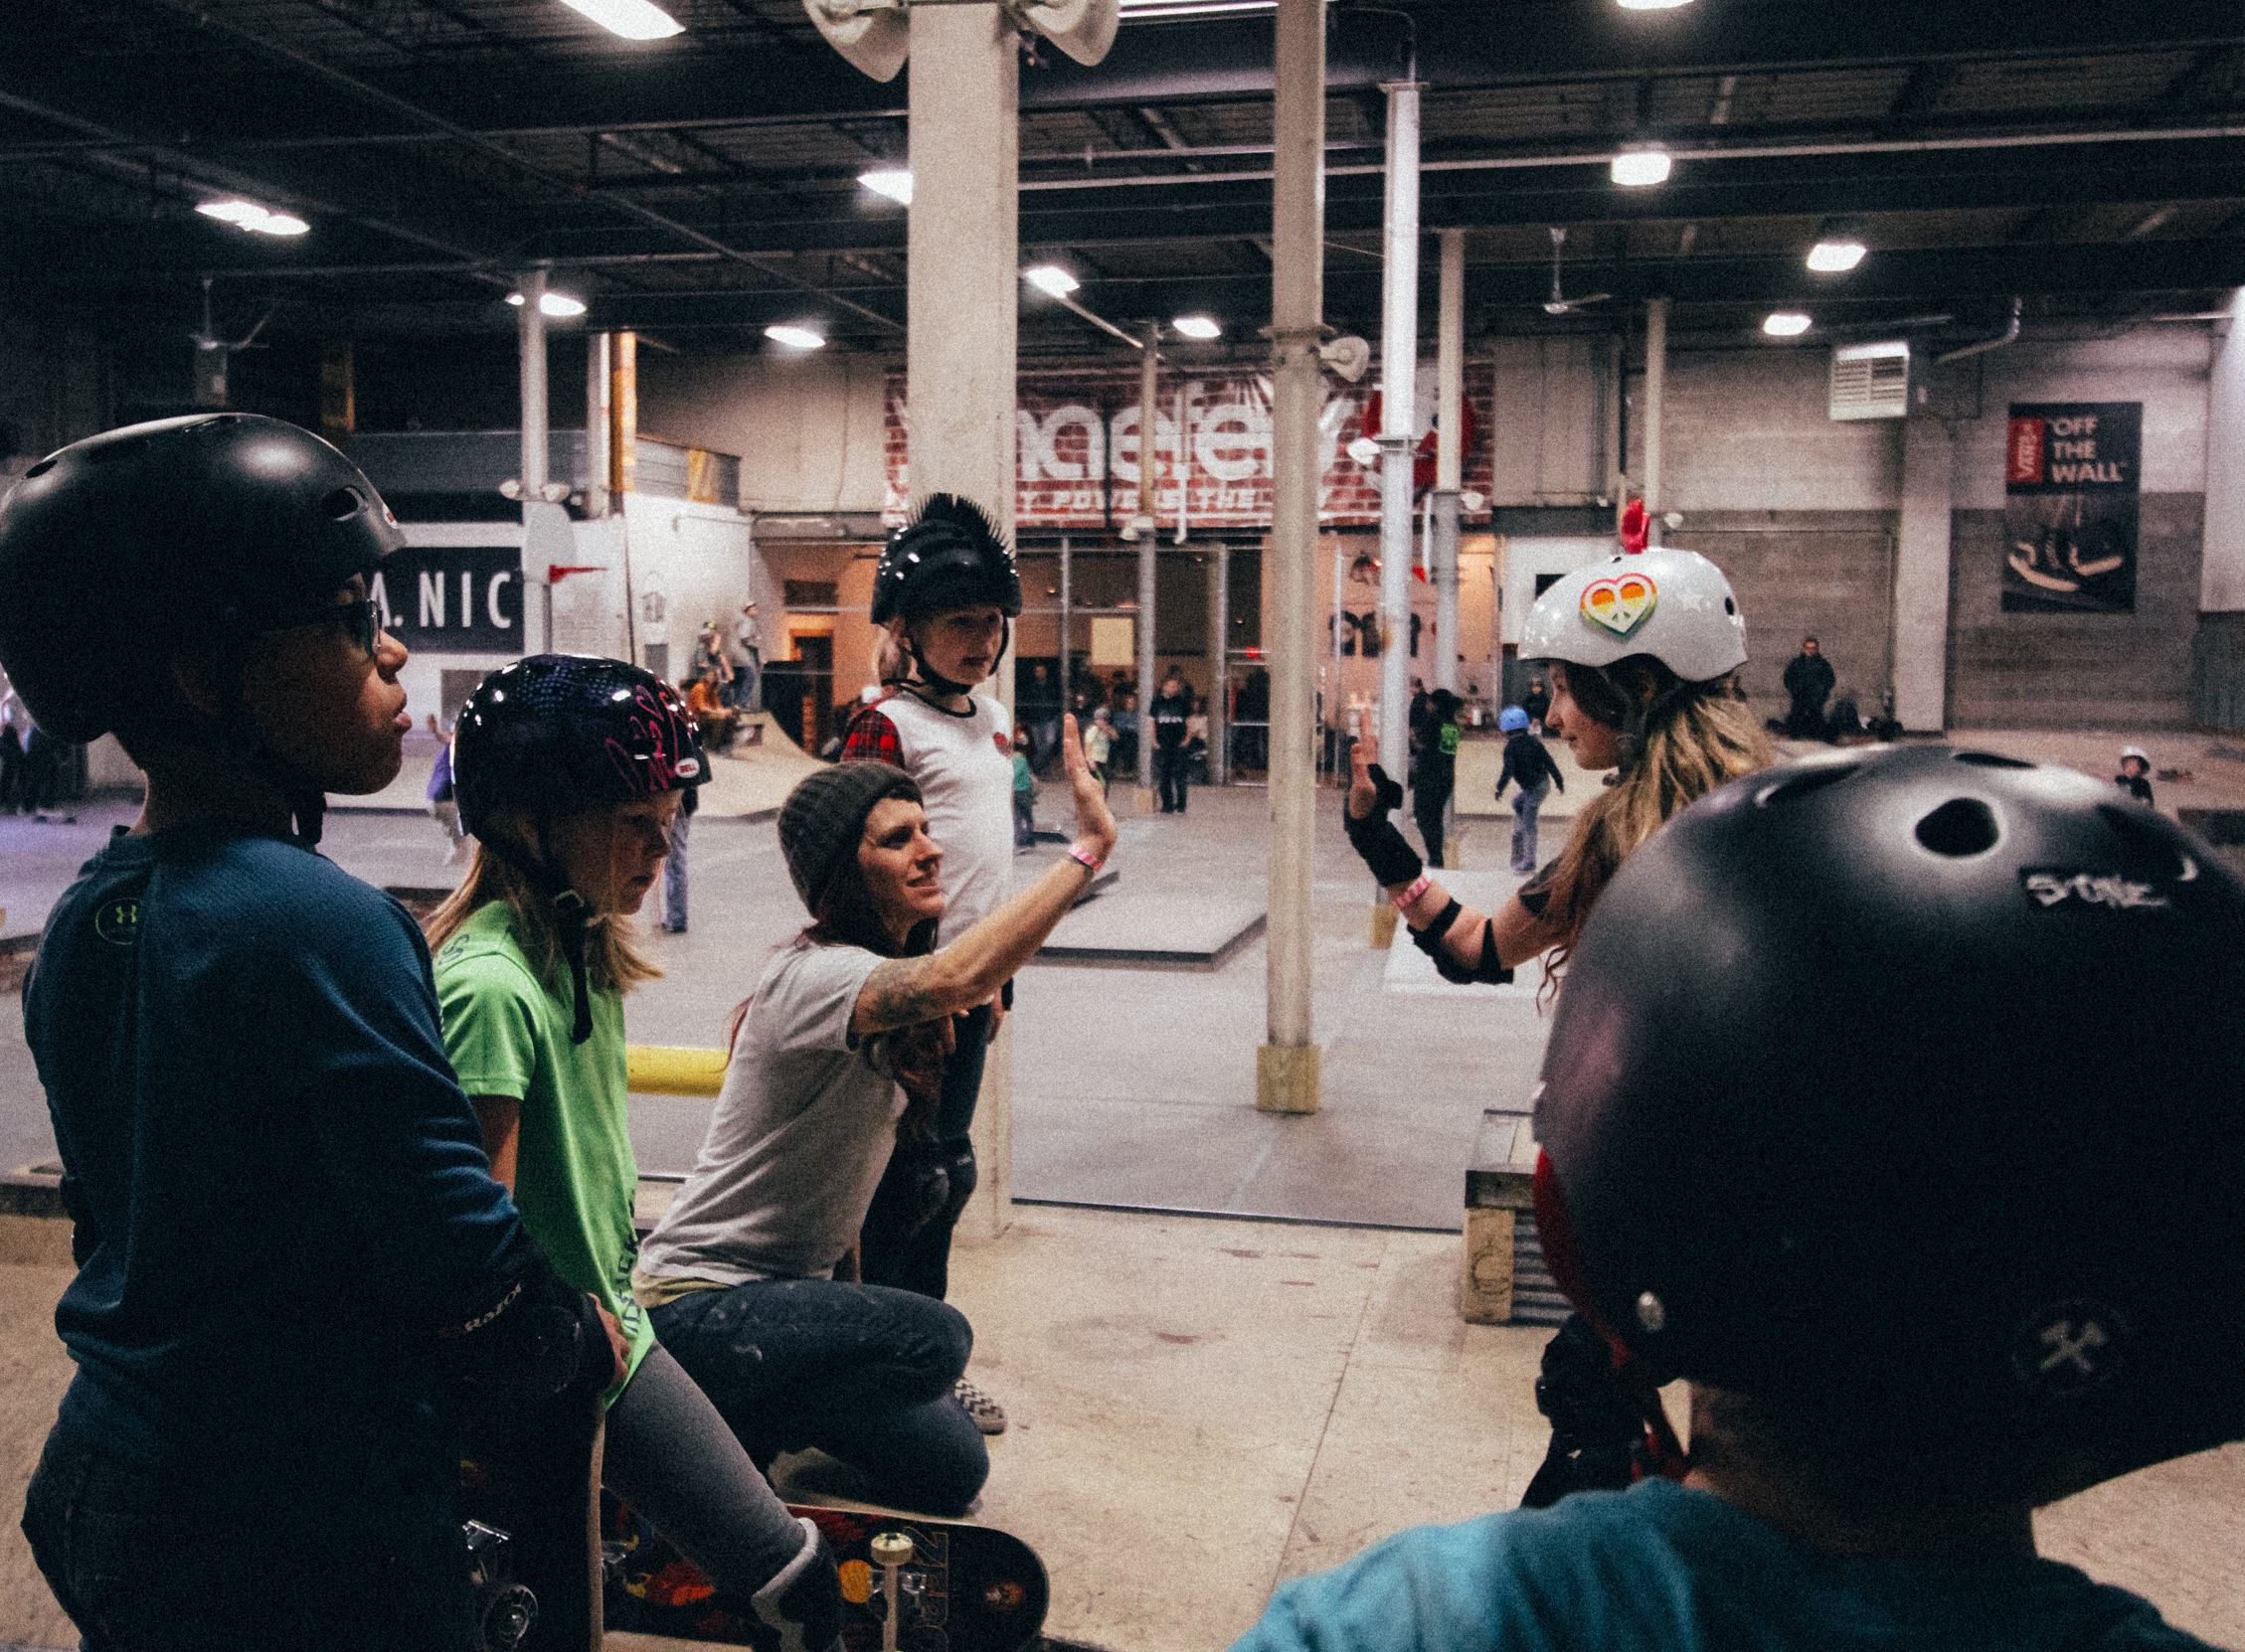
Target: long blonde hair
column 1702, row 735
column 611, row 963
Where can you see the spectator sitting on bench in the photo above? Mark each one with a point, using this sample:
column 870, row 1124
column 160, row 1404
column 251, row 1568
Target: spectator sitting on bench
column 719, row 722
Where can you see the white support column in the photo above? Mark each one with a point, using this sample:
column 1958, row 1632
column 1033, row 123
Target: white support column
column 961, row 308
column 1150, row 538
column 1398, row 400
column 530, row 334
column 2223, row 579
column 1219, row 668
column 1449, row 458
column 1921, row 577
column 1656, row 396
column 1287, row 1065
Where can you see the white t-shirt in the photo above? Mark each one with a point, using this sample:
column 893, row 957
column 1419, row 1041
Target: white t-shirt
column 964, row 767
column 801, row 1132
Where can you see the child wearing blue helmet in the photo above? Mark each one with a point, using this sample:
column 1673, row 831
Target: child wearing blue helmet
column 1528, row 765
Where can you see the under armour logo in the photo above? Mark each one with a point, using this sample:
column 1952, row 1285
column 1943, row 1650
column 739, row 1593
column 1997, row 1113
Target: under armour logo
column 2067, row 1347
column 2070, row 1348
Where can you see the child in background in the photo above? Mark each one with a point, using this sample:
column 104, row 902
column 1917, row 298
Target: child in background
column 2134, row 776
column 1099, row 747
column 1024, row 792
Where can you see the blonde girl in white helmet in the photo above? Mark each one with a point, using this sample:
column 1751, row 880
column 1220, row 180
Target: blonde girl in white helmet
column 1644, row 651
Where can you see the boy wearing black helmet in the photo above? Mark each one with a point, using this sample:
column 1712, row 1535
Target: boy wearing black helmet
column 942, row 596
column 289, row 1241
column 1916, row 1292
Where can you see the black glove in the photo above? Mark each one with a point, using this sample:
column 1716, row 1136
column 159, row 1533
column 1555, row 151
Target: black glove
column 1392, row 860
column 805, row 1602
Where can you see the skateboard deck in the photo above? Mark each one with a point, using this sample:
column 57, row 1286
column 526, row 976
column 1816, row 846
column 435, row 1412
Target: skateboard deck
column 529, row 1494
column 962, row 1588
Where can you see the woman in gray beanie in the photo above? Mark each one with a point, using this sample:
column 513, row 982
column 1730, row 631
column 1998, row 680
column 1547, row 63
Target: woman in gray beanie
column 751, row 1278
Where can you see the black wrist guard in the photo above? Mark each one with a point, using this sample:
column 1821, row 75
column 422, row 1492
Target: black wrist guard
column 1392, row 860
column 540, row 1336
column 1488, row 970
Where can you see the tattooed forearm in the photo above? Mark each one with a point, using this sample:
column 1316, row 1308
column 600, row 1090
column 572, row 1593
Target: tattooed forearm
column 903, row 992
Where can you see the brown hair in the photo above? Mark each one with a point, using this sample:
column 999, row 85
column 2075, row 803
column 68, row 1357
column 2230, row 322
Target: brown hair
column 914, row 1053
column 1702, row 737
column 611, row 963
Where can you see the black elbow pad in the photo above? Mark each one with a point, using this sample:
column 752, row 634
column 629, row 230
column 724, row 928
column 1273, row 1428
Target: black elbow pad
column 538, row 1337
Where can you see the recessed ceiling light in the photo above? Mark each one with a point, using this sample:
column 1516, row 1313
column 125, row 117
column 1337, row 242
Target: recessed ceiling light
column 633, row 19
column 552, row 303
column 1050, row 277
column 796, row 338
column 1784, row 324
column 1651, row 5
column 894, row 182
column 247, row 215
column 1197, row 326
column 1637, row 168
column 1831, row 256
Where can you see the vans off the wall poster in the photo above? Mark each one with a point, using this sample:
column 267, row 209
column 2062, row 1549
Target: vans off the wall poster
column 2070, row 477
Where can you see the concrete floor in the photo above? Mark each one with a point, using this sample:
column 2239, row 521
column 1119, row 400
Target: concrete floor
column 1201, row 1407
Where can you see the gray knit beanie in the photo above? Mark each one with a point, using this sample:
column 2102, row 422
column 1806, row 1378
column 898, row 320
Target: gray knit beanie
column 823, row 818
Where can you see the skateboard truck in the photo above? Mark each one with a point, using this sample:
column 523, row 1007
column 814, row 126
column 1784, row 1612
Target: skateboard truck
column 891, row 1551
column 504, row 1608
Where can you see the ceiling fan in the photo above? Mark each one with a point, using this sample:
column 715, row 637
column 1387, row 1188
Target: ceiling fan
column 1556, row 306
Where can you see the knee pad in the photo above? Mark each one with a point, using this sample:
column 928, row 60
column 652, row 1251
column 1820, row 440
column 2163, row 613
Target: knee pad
column 961, row 1175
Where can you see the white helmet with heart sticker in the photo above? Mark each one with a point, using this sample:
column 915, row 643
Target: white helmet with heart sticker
column 1674, row 605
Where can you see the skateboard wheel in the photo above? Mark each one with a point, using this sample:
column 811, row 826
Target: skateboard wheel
column 891, row 1549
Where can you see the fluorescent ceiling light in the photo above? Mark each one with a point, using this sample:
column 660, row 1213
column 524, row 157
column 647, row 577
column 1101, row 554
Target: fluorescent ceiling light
column 1784, row 324
column 1639, row 167
column 1653, row 5
column 796, row 338
column 1197, row 326
column 894, row 182
column 1151, row 11
column 552, row 303
column 247, row 215
column 1831, row 256
column 1050, row 277
column 633, row 19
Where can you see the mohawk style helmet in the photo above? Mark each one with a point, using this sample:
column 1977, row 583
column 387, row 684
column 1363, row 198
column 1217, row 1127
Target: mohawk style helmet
column 1674, row 605
column 229, row 524
column 561, row 732
column 948, row 556
column 1901, row 1083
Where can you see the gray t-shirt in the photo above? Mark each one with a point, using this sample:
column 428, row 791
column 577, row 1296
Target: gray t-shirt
column 800, row 1136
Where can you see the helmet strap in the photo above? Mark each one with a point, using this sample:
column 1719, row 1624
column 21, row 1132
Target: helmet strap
column 941, row 685
column 572, row 914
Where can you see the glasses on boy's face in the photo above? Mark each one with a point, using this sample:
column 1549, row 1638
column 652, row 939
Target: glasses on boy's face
column 361, row 621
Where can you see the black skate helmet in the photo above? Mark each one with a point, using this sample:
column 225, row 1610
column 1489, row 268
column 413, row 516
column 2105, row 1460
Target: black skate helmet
column 948, row 556
column 557, row 733
column 1904, row 1083
column 231, row 524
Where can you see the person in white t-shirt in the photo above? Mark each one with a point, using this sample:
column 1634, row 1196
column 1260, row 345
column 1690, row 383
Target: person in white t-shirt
column 837, row 1058
column 942, row 594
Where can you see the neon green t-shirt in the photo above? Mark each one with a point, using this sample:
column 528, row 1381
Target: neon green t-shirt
column 575, row 1174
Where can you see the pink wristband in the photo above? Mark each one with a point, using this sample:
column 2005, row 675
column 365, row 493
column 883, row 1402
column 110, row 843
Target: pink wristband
column 1075, row 853
column 1403, row 901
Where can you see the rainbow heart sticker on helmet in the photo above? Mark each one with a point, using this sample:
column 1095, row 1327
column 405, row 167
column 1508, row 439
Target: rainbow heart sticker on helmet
column 1620, row 604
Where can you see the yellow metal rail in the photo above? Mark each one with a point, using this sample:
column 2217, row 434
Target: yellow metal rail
column 673, row 1069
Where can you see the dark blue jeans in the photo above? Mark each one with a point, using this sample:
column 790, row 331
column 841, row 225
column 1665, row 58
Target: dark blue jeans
column 860, row 1372
column 143, row 1562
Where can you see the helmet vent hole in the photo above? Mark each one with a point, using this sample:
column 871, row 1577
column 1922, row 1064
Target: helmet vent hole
column 39, row 469
column 343, row 503
column 1730, row 606
column 1991, row 760
column 1960, row 827
column 1801, row 785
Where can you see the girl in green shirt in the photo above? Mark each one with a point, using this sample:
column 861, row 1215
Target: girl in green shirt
column 570, row 773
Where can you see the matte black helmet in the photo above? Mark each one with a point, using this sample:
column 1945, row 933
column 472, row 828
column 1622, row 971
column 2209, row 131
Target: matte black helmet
column 1906, row 1083
column 556, row 732
column 224, row 524
column 948, row 556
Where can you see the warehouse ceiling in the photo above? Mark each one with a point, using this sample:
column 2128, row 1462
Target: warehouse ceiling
column 2087, row 159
